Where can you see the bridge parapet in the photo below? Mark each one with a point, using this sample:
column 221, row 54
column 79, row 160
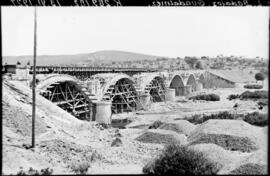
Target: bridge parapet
column 87, row 69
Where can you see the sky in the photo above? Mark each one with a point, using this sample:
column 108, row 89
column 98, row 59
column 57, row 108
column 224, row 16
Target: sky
column 159, row 31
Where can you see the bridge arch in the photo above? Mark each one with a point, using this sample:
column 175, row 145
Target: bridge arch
column 201, row 82
column 192, row 82
column 177, row 83
column 119, row 89
column 152, row 84
column 68, row 93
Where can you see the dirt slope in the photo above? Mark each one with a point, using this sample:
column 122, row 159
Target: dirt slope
column 61, row 139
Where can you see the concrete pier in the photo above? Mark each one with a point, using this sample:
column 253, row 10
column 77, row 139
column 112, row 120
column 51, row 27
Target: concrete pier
column 170, row 94
column 103, row 112
column 144, row 101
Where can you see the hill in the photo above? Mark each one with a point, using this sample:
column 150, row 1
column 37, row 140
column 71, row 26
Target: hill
column 105, row 56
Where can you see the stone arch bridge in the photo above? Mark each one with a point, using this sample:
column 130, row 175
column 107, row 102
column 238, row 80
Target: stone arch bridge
column 93, row 93
column 125, row 93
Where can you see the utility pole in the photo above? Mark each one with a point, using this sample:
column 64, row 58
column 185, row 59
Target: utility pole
column 34, row 81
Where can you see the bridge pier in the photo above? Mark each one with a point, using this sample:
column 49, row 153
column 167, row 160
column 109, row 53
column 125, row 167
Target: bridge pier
column 170, row 94
column 144, row 101
column 102, row 112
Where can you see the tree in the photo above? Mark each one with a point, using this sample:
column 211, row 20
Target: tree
column 259, row 77
column 191, row 61
column 199, row 65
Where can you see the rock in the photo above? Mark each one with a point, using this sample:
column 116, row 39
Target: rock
column 116, row 142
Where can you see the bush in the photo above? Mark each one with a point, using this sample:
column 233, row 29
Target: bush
column 250, row 169
column 80, row 168
column 32, row 171
column 233, row 96
column 254, row 95
column 256, row 118
column 206, row 97
column 259, row 76
column 177, row 159
column 253, row 86
column 197, row 119
column 155, row 125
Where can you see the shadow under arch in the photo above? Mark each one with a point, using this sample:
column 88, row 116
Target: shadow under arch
column 192, row 82
column 177, row 83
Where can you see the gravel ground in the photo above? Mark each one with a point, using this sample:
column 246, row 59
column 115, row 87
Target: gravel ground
column 63, row 140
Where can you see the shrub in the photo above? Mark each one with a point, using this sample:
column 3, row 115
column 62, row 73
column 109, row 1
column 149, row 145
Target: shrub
column 263, row 94
column 197, row 119
column 32, row 171
column 177, row 159
column 250, row 169
column 256, row 118
column 206, row 97
column 95, row 156
column 155, row 125
column 80, row 167
column 233, row 96
column 253, row 86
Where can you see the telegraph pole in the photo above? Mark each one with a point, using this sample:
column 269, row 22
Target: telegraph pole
column 34, row 81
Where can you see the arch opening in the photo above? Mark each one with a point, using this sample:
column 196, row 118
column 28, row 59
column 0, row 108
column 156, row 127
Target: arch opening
column 177, row 84
column 192, row 81
column 156, row 89
column 202, row 80
column 70, row 97
column 123, row 95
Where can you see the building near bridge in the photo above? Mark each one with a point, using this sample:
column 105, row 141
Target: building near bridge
column 227, row 78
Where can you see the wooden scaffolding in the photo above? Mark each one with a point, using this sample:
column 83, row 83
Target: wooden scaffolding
column 123, row 96
column 69, row 97
column 156, row 89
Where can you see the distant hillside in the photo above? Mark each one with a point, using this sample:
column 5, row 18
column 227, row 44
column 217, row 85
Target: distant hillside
column 100, row 56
